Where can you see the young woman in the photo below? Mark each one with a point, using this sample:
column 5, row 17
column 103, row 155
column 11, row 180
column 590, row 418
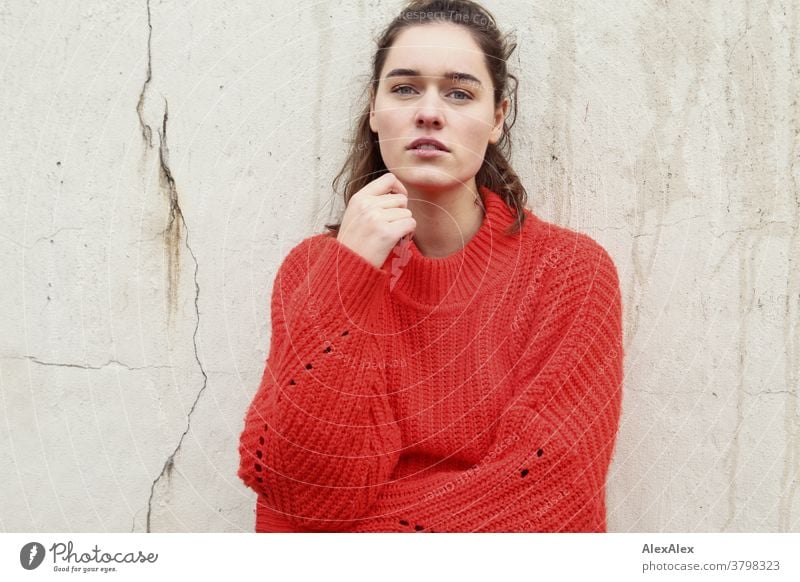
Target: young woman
column 442, row 360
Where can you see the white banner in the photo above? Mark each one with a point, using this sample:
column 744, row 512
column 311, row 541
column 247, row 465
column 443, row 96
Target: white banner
column 401, row 557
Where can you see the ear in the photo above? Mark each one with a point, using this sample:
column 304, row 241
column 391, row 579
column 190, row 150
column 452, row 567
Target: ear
column 372, row 124
column 499, row 118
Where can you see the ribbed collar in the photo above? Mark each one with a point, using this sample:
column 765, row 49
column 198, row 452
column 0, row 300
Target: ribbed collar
column 484, row 262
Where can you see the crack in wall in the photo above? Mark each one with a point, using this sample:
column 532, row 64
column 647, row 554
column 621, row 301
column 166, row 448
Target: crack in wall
column 87, row 366
column 173, row 235
column 170, row 462
column 744, row 229
column 49, row 237
column 147, row 132
column 735, row 44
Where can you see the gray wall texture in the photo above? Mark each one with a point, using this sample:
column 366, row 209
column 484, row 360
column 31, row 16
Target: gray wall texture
column 160, row 158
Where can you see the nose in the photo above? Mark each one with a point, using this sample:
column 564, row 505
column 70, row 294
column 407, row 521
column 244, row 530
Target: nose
column 429, row 112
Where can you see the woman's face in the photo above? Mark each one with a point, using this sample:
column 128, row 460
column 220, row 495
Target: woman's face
column 435, row 84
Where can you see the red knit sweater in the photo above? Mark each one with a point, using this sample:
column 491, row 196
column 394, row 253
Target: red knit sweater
column 476, row 392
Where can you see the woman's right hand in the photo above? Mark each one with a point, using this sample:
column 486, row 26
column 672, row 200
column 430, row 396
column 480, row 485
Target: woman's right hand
column 376, row 218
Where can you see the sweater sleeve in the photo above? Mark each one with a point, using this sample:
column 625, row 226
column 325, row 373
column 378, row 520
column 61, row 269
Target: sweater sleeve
column 320, row 438
column 546, row 468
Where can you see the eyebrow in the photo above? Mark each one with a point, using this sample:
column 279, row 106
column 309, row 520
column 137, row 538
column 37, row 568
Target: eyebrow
column 452, row 75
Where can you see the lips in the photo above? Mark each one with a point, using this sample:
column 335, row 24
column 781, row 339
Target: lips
column 429, row 141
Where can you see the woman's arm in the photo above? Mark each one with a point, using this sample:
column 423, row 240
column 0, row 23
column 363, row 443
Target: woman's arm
column 320, row 438
column 546, row 469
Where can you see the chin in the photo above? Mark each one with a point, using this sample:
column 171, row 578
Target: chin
column 425, row 178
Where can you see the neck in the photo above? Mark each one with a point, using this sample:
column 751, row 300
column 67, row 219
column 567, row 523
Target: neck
column 486, row 259
column 446, row 219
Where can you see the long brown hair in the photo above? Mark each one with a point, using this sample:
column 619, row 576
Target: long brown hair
column 364, row 162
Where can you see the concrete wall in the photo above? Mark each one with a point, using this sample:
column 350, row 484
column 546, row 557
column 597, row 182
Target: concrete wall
column 160, row 158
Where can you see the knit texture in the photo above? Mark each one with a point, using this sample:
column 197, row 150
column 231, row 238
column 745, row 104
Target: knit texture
column 479, row 392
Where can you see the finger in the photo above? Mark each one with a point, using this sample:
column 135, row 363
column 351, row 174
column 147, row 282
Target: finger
column 394, row 214
column 392, row 201
column 390, row 184
column 397, row 186
column 386, row 184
